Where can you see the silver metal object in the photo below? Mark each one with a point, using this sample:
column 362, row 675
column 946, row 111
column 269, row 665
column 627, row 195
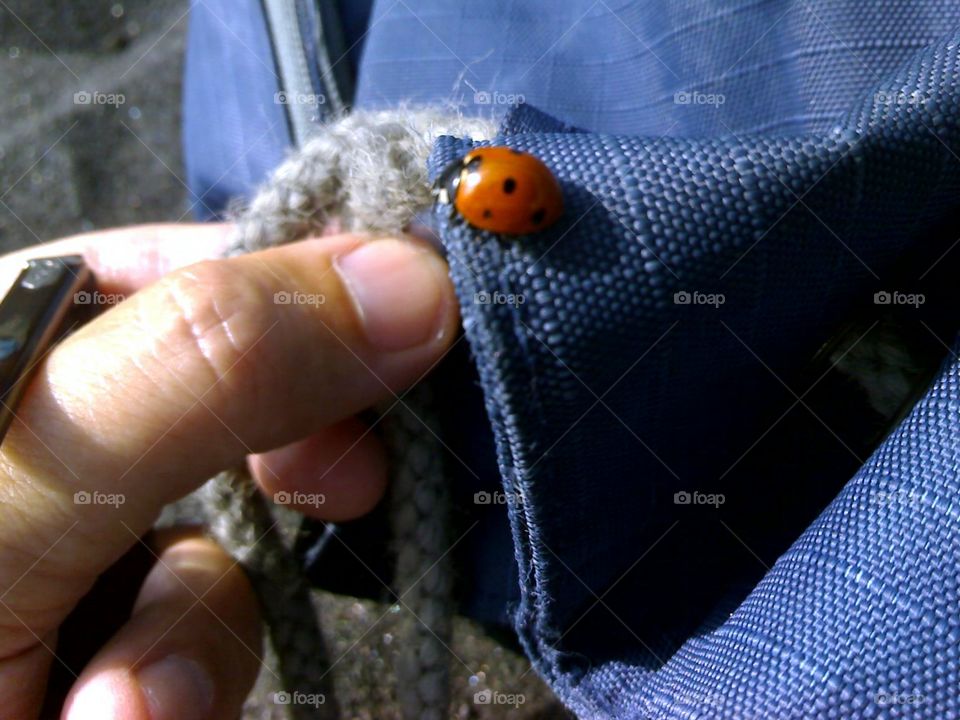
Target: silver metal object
column 41, row 307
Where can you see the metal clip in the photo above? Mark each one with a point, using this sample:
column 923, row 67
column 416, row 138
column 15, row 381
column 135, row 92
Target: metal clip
column 40, row 308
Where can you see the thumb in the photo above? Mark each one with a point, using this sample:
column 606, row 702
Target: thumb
column 189, row 375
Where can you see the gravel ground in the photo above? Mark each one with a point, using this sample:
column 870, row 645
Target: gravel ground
column 67, row 166
column 364, row 678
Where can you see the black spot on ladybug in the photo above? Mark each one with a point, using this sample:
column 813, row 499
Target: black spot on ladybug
column 538, row 216
column 515, row 151
column 474, row 164
column 509, row 185
column 488, row 213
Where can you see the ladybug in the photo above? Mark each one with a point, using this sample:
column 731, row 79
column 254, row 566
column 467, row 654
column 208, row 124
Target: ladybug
column 502, row 190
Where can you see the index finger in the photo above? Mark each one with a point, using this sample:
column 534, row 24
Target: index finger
column 127, row 259
column 206, row 365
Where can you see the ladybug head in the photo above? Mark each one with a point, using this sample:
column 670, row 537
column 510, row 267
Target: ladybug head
column 448, row 182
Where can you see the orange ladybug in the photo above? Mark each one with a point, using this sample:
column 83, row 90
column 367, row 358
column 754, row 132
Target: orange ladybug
column 501, row 190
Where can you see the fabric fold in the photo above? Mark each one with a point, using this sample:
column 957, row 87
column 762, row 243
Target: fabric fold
column 634, row 356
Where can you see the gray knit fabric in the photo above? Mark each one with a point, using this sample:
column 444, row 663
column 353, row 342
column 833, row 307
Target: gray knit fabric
column 420, row 522
column 241, row 519
column 367, row 173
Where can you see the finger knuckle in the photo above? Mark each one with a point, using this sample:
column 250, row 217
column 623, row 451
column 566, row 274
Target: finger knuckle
column 220, row 317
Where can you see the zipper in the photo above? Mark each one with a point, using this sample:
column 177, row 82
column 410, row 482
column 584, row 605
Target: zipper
column 315, row 88
column 330, row 53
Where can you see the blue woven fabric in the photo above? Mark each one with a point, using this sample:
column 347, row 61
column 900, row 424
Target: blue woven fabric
column 784, row 156
column 234, row 131
column 607, row 397
column 646, row 68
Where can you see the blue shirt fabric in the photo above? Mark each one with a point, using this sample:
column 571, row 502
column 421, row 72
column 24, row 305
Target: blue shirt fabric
column 234, row 130
column 679, row 68
column 608, row 398
column 784, row 157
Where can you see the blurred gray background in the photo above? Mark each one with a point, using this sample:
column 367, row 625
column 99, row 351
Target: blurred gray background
column 66, row 167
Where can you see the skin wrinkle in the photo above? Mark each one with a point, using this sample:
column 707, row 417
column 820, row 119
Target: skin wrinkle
column 269, row 363
column 26, row 476
column 40, row 617
column 34, row 527
column 195, row 293
column 50, row 641
column 228, row 341
column 138, row 360
column 65, row 566
column 76, row 414
column 23, row 665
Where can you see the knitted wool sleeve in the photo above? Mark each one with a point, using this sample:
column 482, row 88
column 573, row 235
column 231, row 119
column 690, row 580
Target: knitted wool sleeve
column 366, row 172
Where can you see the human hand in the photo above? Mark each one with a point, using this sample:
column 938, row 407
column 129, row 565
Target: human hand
column 202, row 364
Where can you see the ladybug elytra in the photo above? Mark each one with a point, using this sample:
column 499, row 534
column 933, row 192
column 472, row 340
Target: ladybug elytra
column 501, row 190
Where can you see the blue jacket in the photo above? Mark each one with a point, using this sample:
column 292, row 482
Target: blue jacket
column 694, row 537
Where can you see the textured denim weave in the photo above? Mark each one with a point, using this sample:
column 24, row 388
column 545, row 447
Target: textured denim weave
column 607, row 397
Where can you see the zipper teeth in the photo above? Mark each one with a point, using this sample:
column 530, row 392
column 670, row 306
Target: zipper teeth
column 327, row 42
column 294, row 69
